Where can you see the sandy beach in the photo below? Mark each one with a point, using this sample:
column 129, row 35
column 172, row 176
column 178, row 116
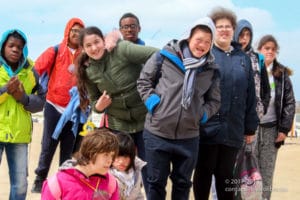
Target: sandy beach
column 286, row 178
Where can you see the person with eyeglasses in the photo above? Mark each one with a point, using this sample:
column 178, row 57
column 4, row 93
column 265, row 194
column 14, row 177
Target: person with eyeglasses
column 223, row 134
column 59, row 63
column 130, row 27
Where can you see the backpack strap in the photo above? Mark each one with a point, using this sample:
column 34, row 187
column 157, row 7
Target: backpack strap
column 54, row 187
column 44, row 77
column 159, row 62
column 160, row 56
column 261, row 61
column 56, row 47
column 112, row 184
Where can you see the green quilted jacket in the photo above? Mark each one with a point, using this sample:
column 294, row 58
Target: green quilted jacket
column 117, row 73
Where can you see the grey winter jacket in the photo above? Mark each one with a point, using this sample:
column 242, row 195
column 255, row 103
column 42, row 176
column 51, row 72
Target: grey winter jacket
column 168, row 119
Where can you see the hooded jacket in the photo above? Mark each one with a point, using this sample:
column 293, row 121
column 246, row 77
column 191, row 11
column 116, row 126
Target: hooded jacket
column 117, row 72
column 134, row 192
column 284, row 97
column 71, row 184
column 15, row 116
column 259, row 69
column 237, row 116
column 166, row 117
column 62, row 77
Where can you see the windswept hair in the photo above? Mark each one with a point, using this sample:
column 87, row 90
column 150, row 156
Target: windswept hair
column 82, row 63
column 223, row 13
column 127, row 148
column 95, row 142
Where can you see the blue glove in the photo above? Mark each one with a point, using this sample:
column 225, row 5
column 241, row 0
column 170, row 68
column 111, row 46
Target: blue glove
column 152, row 102
column 204, row 118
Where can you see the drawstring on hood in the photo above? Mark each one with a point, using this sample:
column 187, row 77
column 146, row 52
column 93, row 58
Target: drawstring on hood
column 23, row 60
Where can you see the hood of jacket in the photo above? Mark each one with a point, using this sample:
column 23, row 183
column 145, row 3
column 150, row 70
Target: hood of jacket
column 68, row 27
column 238, row 30
column 205, row 21
column 178, row 44
column 23, row 60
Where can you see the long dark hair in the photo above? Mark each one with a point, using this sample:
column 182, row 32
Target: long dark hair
column 82, row 63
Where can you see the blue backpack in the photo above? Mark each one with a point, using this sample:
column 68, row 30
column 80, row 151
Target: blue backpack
column 44, row 78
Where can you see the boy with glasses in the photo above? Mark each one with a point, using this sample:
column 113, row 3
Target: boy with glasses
column 224, row 133
column 130, row 28
column 60, row 67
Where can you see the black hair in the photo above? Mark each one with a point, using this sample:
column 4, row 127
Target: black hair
column 127, row 148
column 203, row 28
column 16, row 35
column 127, row 15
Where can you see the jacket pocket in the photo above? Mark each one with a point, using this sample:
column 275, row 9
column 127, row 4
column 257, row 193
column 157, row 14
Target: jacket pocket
column 210, row 128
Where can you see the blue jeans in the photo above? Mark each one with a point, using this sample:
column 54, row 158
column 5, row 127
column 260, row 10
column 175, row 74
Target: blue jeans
column 160, row 154
column 17, row 159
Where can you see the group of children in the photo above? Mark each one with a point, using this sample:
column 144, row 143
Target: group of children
column 168, row 107
column 105, row 167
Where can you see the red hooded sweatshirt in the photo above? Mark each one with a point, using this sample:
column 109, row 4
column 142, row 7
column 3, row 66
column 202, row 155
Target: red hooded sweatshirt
column 62, row 76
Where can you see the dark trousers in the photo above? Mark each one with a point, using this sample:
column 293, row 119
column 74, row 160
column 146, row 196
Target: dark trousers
column 162, row 155
column 78, row 140
column 219, row 160
column 49, row 145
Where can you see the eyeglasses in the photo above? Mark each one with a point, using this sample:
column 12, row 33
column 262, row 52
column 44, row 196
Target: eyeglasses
column 74, row 30
column 226, row 27
column 129, row 26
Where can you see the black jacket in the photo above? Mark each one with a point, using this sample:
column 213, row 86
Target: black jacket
column 284, row 97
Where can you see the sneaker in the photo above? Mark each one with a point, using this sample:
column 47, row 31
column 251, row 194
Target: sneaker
column 37, row 186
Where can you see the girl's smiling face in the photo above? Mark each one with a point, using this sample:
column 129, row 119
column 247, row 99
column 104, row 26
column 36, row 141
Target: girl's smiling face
column 269, row 50
column 94, row 46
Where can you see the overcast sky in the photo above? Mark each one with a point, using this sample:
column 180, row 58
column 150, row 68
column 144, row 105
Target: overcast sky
column 43, row 21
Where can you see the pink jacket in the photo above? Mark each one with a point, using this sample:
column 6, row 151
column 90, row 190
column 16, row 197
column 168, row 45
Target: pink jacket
column 73, row 185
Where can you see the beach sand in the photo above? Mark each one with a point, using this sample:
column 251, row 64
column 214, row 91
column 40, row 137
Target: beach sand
column 286, row 178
